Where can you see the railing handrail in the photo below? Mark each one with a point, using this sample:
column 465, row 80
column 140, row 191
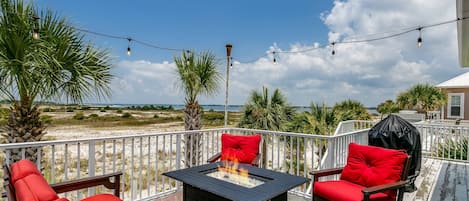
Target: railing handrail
column 84, row 140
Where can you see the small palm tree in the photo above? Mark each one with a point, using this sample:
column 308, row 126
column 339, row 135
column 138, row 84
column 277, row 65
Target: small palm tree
column 59, row 64
column 422, row 97
column 387, row 107
column 351, row 110
column 196, row 76
column 266, row 112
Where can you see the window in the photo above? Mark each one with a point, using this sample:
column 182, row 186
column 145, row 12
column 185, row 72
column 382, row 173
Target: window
column 455, row 105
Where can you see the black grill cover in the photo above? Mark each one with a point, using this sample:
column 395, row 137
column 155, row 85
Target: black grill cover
column 394, row 132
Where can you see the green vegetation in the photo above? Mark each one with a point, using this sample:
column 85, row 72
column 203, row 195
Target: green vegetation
column 453, row 149
column 197, row 75
column 79, row 116
column 58, row 64
column 421, row 97
column 350, row 110
column 387, row 107
column 126, row 115
column 266, row 112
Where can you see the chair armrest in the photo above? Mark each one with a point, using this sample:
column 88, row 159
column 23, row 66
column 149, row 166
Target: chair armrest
column 325, row 172
column 255, row 162
column 384, row 187
column 214, row 158
column 90, row 182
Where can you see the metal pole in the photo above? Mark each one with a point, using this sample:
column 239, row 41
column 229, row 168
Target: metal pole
column 228, row 57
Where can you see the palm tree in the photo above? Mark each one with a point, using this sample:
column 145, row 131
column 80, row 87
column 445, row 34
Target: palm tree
column 266, row 112
column 422, row 97
column 351, row 110
column 387, row 107
column 196, row 76
column 59, row 64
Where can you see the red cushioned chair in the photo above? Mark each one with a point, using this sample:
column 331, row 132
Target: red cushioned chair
column 24, row 182
column 371, row 174
column 243, row 148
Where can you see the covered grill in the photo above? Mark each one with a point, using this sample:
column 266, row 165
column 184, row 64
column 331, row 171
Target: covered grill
column 394, row 132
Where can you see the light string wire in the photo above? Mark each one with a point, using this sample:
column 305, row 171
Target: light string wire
column 273, row 52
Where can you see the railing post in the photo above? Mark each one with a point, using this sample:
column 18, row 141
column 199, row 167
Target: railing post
column 331, row 147
column 91, row 163
column 178, row 152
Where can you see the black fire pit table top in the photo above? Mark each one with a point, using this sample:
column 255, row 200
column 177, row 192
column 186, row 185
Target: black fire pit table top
column 275, row 183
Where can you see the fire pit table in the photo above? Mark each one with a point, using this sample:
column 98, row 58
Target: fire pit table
column 239, row 183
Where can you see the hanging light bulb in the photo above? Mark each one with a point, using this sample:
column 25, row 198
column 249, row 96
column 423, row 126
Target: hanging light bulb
column 419, row 40
column 275, row 59
column 128, row 47
column 333, row 48
column 35, row 29
column 231, row 62
column 35, row 33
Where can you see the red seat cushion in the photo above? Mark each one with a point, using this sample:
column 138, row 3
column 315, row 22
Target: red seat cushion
column 371, row 166
column 345, row 191
column 242, row 148
column 29, row 183
column 102, row 197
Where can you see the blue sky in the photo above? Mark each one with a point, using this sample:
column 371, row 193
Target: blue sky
column 368, row 72
column 251, row 26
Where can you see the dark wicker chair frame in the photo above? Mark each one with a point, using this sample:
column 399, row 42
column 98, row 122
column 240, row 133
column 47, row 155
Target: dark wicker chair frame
column 367, row 192
column 68, row 186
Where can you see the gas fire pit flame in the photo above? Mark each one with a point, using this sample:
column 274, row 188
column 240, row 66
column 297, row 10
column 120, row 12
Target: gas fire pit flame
column 233, row 173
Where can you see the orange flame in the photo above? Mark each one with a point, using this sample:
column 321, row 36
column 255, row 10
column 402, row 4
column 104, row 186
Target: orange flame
column 231, row 167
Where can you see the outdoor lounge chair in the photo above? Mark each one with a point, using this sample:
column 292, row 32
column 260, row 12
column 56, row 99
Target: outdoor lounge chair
column 242, row 148
column 371, row 173
column 24, row 182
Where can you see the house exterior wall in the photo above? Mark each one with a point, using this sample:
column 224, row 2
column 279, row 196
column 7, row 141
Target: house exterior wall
column 465, row 105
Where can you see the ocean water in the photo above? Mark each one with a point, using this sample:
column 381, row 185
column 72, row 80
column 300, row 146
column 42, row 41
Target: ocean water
column 231, row 108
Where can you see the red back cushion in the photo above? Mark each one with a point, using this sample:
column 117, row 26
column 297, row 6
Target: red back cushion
column 371, row 166
column 29, row 183
column 242, row 148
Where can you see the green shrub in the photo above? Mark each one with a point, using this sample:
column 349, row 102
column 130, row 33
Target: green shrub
column 79, row 116
column 126, row 115
column 156, row 116
column 102, row 110
column 93, row 116
column 452, row 149
column 107, row 107
column 119, row 111
column 47, row 109
column 46, row 119
column 213, row 116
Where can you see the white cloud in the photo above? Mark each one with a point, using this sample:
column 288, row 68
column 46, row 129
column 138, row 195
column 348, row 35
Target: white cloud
column 369, row 72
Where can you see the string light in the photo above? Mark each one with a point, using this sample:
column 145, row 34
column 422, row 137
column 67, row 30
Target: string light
column 333, row 48
column 419, row 40
column 128, row 47
column 275, row 59
column 395, row 34
column 231, row 62
column 35, row 29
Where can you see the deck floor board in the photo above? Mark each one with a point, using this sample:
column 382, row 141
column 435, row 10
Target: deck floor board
column 439, row 180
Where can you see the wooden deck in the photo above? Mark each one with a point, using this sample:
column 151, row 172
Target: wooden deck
column 439, row 180
column 178, row 197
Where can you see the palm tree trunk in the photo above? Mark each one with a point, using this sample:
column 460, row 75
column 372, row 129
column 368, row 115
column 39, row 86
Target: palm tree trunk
column 192, row 142
column 24, row 125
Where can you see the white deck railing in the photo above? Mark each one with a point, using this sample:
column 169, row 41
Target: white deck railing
column 444, row 141
column 144, row 157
